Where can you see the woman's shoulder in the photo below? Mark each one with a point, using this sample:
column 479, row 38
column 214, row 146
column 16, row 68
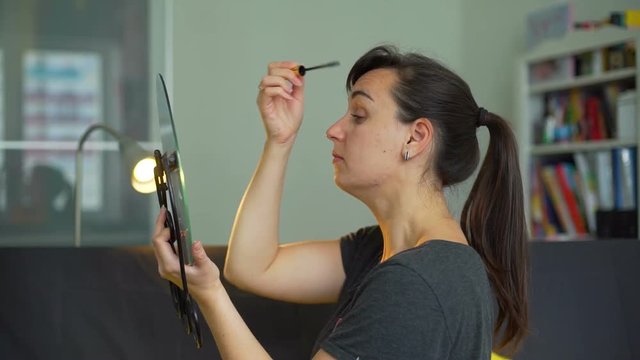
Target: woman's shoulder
column 448, row 268
column 435, row 256
column 456, row 277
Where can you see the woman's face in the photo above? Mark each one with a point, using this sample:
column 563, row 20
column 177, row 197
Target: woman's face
column 368, row 140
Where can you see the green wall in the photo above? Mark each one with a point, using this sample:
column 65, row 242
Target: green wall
column 220, row 51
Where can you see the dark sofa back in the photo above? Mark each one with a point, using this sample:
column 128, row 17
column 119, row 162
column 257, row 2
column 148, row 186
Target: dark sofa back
column 103, row 303
column 109, row 303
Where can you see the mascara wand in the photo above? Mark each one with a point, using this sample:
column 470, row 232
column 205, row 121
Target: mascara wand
column 301, row 69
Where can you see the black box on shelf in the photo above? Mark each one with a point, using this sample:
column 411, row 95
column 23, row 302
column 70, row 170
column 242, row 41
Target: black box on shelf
column 618, row 224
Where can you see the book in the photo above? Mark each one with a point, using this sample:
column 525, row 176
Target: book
column 573, row 178
column 587, row 185
column 564, row 180
column 553, row 225
column 555, row 192
column 595, row 119
column 604, row 171
column 542, row 218
column 611, row 93
column 624, row 178
column 626, row 115
column 575, row 116
column 537, row 209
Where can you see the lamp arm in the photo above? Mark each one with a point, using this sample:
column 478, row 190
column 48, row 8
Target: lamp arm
column 77, row 189
column 93, row 127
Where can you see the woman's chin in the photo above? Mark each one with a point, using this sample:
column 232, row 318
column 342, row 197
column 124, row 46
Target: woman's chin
column 340, row 182
column 344, row 185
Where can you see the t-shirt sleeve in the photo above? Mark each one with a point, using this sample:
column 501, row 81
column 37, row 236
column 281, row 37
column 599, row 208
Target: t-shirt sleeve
column 351, row 245
column 395, row 315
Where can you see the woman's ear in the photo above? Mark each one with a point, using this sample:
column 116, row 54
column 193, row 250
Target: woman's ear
column 421, row 136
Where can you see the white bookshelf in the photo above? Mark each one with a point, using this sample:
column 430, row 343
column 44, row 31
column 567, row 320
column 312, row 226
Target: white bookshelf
column 582, row 81
column 585, row 146
column 531, row 95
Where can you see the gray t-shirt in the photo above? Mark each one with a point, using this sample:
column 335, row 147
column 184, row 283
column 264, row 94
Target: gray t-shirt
column 433, row 301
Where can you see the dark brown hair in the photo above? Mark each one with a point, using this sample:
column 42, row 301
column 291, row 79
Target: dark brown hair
column 493, row 217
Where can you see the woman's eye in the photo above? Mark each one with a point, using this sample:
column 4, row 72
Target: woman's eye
column 357, row 118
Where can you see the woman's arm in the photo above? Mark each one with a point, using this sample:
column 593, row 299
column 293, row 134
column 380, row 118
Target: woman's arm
column 233, row 338
column 231, row 334
column 304, row 272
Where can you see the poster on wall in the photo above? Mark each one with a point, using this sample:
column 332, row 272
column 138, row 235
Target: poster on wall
column 550, row 22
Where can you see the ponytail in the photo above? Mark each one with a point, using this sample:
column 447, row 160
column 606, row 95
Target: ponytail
column 493, row 221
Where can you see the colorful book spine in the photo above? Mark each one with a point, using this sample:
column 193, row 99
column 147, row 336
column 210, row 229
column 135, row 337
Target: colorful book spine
column 570, row 199
column 594, row 119
column 555, row 192
column 624, row 178
column 537, row 206
column 542, row 217
column 604, row 171
column 575, row 183
column 588, row 187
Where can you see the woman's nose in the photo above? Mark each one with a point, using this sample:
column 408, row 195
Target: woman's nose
column 335, row 132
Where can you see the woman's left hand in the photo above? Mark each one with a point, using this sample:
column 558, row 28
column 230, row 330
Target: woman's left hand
column 203, row 276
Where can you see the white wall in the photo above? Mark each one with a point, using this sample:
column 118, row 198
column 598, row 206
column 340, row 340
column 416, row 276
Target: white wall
column 221, row 49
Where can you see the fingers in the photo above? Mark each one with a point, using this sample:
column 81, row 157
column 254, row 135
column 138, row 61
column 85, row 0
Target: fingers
column 199, row 255
column 281, row 65
column 277, row 91
column 204, row 273
column 287, row 73
column 276, row 81
column 167, row 259
column 160, row 221
column 168, row 263
column 281, row 75
column 161, row 234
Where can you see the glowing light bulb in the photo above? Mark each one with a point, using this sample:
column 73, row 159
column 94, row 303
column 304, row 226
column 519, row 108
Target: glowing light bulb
column 142, row 177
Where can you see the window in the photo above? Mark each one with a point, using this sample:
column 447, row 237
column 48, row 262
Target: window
column 3, row 187
column 67, row 65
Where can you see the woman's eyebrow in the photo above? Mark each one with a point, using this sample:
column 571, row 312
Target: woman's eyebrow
column 361, row 93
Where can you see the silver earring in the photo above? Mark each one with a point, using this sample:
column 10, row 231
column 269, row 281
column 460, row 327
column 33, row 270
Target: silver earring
column 406, row 155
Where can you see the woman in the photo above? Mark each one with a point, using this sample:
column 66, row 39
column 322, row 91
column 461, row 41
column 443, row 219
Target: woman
column 419, row 285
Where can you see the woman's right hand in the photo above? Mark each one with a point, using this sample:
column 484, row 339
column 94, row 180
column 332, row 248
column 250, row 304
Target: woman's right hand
column 281, row 102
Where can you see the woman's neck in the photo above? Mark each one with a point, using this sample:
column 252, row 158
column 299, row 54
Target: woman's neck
column 409, row 220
